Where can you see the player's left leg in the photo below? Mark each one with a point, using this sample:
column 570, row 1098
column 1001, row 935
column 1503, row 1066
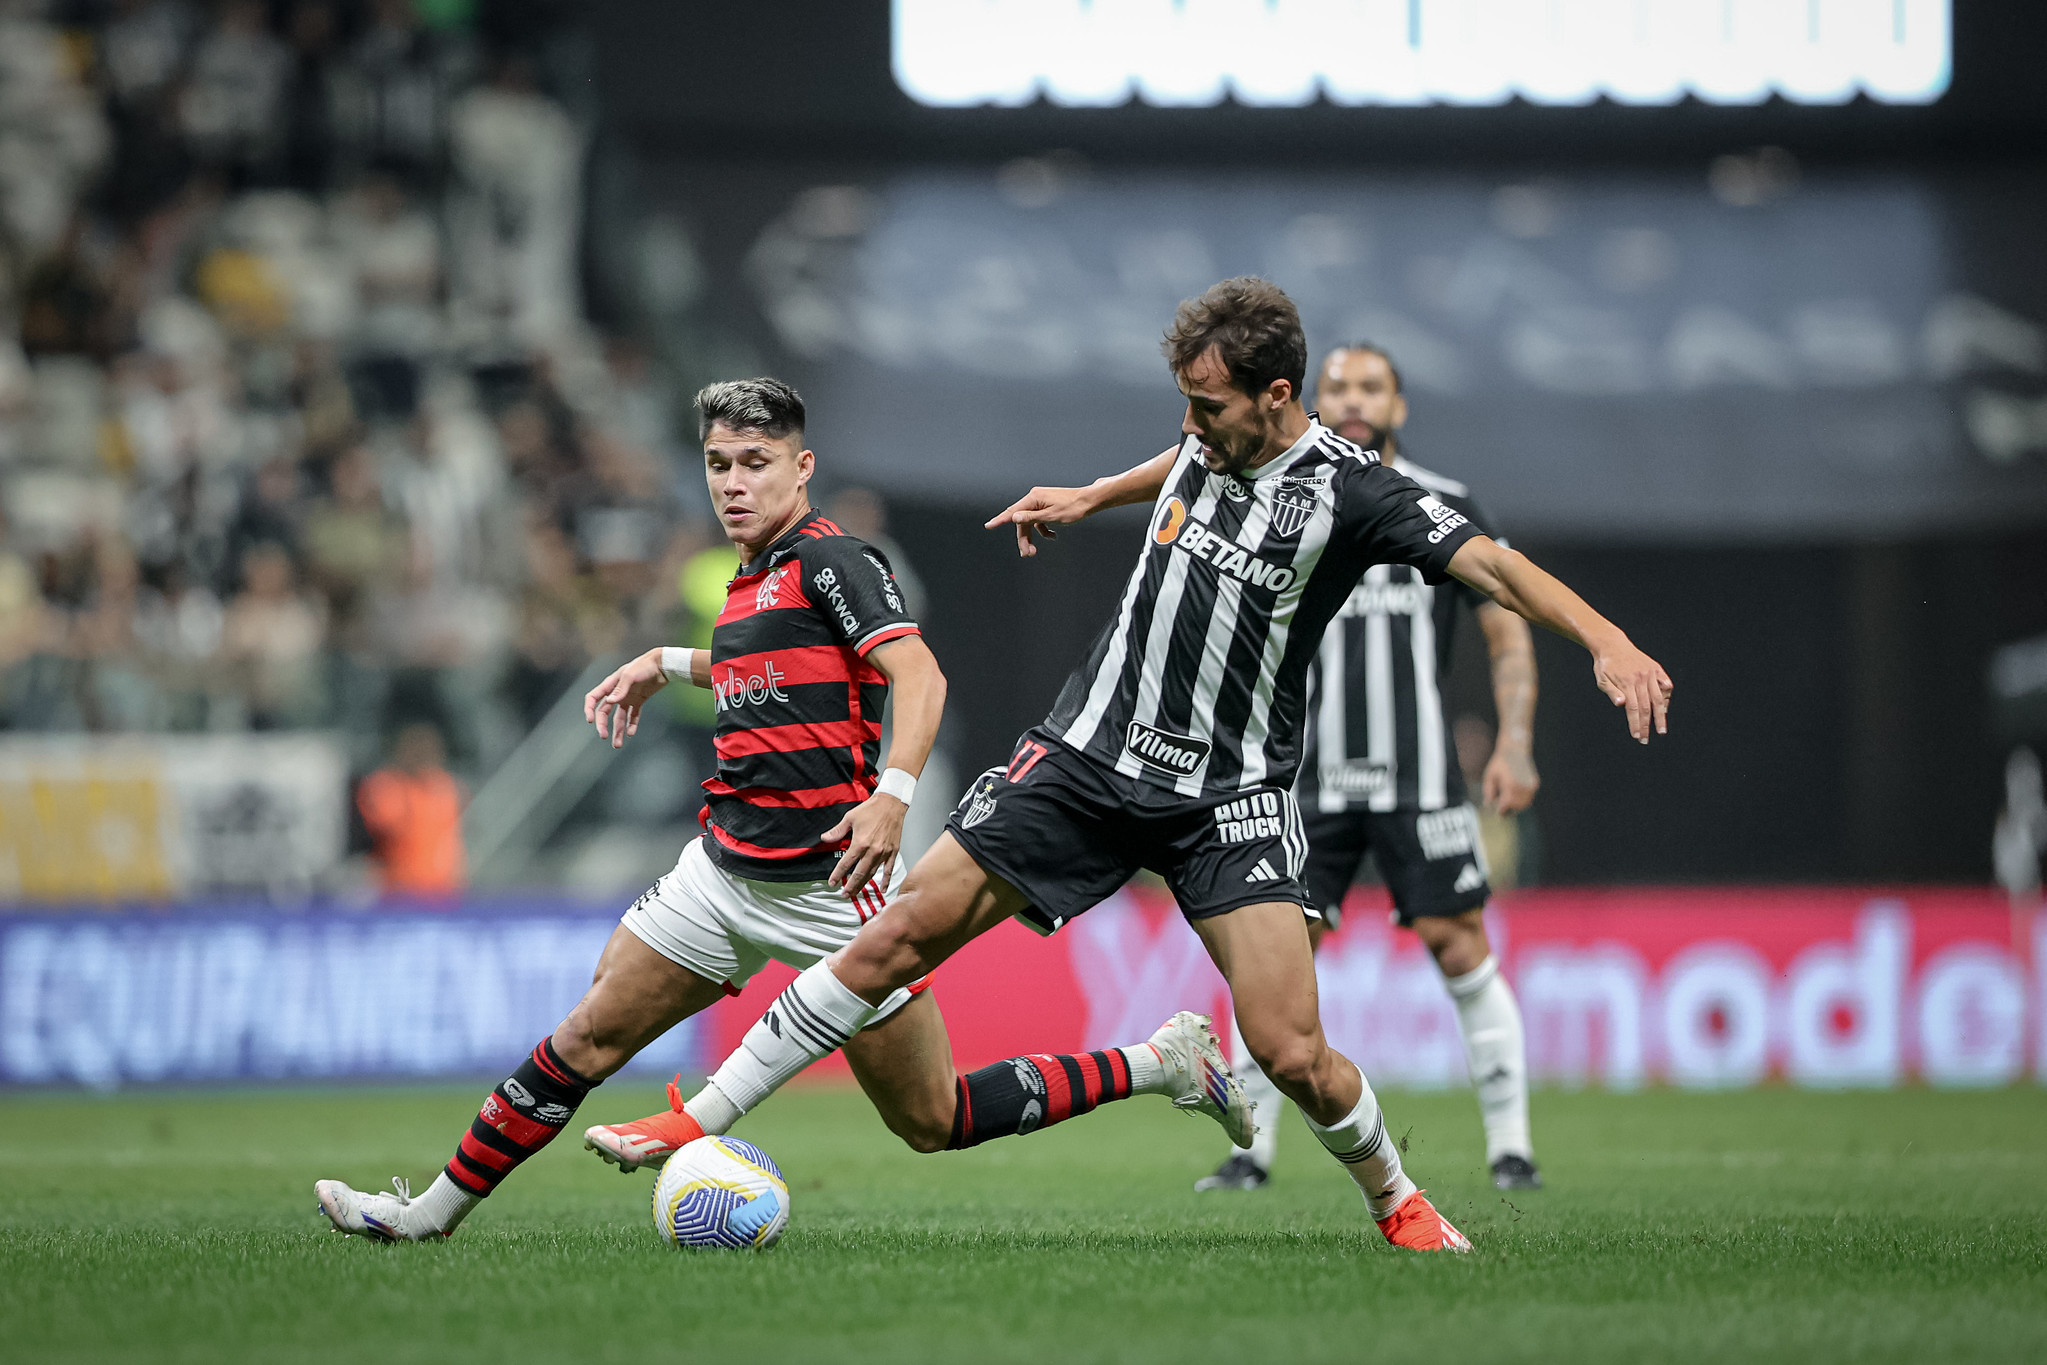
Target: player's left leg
column 1263, row 953
column 637, row 995
column 1434, row 865
column 1495, row 1047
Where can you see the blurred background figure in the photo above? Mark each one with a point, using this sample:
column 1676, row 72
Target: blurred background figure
column 412, row 808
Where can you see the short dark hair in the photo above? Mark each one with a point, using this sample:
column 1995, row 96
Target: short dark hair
column 1254, row 327
column 765, row 405
column 1369, row 348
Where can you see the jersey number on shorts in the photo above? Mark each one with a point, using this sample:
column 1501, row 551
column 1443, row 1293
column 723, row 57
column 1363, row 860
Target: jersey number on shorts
column 1027, row 756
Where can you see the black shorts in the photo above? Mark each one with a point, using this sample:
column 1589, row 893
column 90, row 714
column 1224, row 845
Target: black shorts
column 1432, row 861
column 1067, row 833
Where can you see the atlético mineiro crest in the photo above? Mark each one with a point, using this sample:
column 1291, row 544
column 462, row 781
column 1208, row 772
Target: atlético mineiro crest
column 1291, row 512
column 1293, row 500
column 980, row 802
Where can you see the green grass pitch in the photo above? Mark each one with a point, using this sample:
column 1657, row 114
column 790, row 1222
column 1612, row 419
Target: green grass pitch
column 1764, row 1226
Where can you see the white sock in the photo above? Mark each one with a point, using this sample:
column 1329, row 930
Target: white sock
column 1149, row 1074
column 810, row 1019
column 444, row 1205
column 1359, row 1141
column 712, row 1111
column 1266, row 1101
column 1496, row 1051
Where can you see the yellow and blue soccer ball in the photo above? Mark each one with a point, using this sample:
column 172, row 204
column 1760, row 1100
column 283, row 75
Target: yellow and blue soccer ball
column 721, row 1192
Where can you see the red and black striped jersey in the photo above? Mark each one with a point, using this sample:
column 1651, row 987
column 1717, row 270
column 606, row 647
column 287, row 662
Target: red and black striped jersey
column 799, row 706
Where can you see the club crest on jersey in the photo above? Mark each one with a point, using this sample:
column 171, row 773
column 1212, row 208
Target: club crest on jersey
column 1293, row 500
column 765, row 596
column 1290, row 514
column 1180, row 755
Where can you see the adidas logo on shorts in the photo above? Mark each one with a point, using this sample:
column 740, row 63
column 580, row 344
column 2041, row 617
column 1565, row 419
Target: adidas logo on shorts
column 1263, row 872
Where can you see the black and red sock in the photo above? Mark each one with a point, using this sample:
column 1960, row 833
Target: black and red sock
column 1024, row 1094
column 518, row 1118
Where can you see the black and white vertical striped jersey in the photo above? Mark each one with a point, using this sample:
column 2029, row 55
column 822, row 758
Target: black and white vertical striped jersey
column 1376, row 734
column 1199, row 683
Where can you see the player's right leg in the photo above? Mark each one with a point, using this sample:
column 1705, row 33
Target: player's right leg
column 637, row 995
column 904, row 1064
column 946, row 901
column 1262, row 951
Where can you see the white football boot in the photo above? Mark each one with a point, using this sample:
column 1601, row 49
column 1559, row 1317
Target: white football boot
column 378, row 1216
column 1202, row 1080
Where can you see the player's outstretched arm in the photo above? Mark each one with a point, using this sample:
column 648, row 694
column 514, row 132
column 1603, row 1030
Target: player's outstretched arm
column 1629, row 677
column 1038, row 511
column 1510, row 777
column 873, row 830
column 613, row 706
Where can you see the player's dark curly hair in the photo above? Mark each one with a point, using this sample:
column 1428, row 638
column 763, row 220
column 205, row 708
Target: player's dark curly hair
column 765, row 405
column 1254, row 327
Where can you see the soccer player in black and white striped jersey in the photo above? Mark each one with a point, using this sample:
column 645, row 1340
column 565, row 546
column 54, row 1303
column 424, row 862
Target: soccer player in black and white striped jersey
column 1380, row 775
column 1175, row 744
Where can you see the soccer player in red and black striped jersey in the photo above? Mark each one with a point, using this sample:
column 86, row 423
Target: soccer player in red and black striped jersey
column 802, row 828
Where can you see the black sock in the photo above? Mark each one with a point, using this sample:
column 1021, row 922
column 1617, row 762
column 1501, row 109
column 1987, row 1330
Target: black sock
column 518, row 1118
column 1027, row 1093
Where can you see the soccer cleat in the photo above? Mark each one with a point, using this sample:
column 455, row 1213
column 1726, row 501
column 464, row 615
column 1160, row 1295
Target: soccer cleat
column 1512, row 1172
column 647, row 1142
column 1417, row 1226
column 378, row 1216
column 1240, row 1172
column 1194, row 1059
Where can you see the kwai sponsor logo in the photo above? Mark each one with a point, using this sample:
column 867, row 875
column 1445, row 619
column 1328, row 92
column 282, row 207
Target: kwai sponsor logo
column 827, row 581
column 888, row 581
column 1180, row 755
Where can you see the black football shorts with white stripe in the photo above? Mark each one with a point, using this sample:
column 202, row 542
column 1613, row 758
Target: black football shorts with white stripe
column 1193, row 698
column 1067, row 832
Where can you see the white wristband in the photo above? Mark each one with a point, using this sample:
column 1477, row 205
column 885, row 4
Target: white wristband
column 899, row 784
column 675, row 661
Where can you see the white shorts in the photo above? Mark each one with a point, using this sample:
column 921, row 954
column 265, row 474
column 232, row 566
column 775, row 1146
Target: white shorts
column 726, row 928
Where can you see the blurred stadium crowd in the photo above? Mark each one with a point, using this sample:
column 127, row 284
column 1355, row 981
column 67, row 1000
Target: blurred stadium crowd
column 301, row 420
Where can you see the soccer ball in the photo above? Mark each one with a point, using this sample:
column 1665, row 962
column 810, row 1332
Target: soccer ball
column 721, row 1192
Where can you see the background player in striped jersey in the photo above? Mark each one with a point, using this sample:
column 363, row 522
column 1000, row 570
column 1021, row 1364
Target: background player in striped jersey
column 1380, row 775
column 802, row 830
column 1175, row 745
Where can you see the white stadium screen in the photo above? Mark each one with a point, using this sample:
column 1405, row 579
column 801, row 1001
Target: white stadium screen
column 1276, row 53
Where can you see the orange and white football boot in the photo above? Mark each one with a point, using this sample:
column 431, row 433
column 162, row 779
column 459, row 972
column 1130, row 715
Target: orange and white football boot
column 1417, row 1226
column 647, row 1142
